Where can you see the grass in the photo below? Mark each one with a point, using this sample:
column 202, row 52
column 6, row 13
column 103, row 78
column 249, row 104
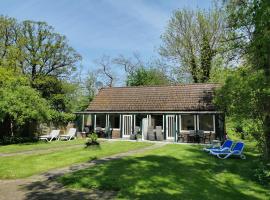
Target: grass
column 20, row 166
column 173, row 172
column 14, row 148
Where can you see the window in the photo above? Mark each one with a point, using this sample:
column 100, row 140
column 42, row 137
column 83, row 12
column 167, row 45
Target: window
column 139, row 118
column 206, row 122
column 101, row 120
column 156, row 120
column 114, row 121
column 187, row 122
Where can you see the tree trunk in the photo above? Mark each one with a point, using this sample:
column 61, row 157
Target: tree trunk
column 194, row 68
column 267, row 137
column 11, row 128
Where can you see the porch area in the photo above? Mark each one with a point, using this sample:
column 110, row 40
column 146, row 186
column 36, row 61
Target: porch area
column 172, row 127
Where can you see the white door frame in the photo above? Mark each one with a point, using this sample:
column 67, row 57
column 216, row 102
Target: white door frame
column 170, row 124
column 127, row 125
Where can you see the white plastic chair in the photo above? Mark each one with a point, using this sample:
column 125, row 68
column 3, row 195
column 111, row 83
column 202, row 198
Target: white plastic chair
column 53, row 135
column 70, row 135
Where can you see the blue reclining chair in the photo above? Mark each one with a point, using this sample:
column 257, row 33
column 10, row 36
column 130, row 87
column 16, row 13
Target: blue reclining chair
column 227, row 145
column 235, row 151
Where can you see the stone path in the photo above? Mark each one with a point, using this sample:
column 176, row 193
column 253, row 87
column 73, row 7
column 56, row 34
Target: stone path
column 44, row 186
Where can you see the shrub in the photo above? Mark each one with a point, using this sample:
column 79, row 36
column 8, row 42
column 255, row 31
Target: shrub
column 262, row 174
column 6, row 140
column 92, row 140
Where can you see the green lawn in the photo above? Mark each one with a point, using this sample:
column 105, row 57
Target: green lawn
column 173, row 172
column 20, row 166
column 13, row 148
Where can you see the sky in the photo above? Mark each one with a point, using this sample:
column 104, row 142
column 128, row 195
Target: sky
column 103, row 27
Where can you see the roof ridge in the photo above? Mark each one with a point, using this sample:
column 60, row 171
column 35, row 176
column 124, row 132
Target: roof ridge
column 152, row 86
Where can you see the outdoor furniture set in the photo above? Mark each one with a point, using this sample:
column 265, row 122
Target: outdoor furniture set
column 229, row 148
column 55, row 134
column 192, row 136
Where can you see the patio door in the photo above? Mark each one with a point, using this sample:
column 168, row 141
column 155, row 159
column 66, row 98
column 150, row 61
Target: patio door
column 170, row 126
column 127, row 125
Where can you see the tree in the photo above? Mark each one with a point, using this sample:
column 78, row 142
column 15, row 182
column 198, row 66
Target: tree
column 129, row 64
column 147, row 77
column 84, row 93
column 247, row 93
column 193, row 39
column 19, row 102
column 45, row 52
column 34, row 51
column 105, row 64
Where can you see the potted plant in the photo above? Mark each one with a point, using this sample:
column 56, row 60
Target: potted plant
column 92, row 140
column 138, row 136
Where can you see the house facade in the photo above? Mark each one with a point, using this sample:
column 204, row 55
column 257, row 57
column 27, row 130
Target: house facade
column 176, row 109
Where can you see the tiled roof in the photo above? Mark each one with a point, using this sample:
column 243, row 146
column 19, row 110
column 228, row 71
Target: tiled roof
column 186, row 97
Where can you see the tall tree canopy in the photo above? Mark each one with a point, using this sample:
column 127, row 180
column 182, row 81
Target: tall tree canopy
column 35, row 48
column 147, row 77
column 34, row 51
column 193, row 39
column 246, row 94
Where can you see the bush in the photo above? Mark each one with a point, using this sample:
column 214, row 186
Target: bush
column 92, row 140
column 6, row 140
column 262, row 174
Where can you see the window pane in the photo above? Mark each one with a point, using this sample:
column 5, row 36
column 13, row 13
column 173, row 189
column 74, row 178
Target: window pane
column 187, row 122
column 115, row 121
column 101, row 120
column 139, row 118
column 206, row 122
column 156, row 120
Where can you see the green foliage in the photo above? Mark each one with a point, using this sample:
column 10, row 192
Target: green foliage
column 147, row 77
column 7, row 140
column 92, row 140
column 262, row 174
column 39, row 62
column 249, row 89
column 242, row 99
column 193, row 39
column 61, row 118
column 19, row 102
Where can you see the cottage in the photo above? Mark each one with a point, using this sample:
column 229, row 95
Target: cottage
column 179, row 111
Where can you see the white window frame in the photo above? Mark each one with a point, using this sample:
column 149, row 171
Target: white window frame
column 117, row 129
column 214, row 127
column 180, row 125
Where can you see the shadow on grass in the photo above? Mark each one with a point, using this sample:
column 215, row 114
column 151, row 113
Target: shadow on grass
column 167, row 177
column 187, row 174
column 50, row 190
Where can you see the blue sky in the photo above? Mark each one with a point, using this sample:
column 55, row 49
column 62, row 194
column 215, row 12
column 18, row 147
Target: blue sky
column 98, row 27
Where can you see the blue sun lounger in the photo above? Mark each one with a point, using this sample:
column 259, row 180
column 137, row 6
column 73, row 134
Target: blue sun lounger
column 237, row 150
column 227, row 145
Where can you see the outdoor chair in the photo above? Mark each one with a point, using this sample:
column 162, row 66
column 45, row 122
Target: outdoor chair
column 150, row 134
column 207, row 136
column 53, row 135
column 227, row 145
column 191, row 136
column 100, row 132
column 136, row 130
column 201, row 135
column 237, row 150
column 183, row 137
column 70, row 135
column 159, row 134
